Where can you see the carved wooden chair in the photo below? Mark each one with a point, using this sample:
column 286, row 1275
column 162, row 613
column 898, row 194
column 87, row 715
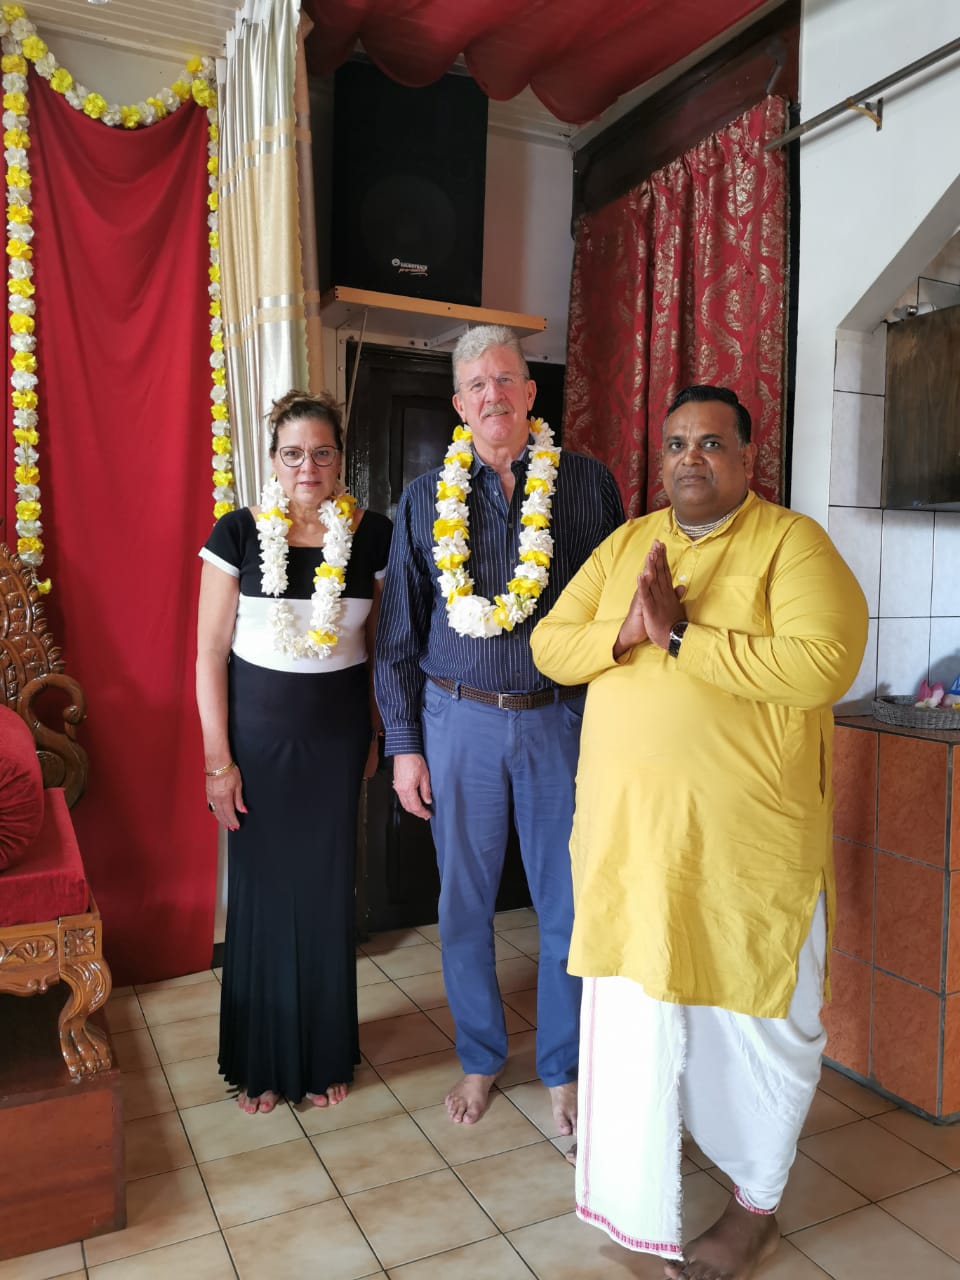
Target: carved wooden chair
column 68, row 947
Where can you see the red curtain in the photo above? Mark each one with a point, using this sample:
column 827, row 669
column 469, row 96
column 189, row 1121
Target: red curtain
column 682, row 280
column 120, row 259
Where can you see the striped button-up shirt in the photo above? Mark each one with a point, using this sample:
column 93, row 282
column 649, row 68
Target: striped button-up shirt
column 414, row 639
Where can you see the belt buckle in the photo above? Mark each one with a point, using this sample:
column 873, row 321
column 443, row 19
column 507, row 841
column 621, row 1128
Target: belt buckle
column 501, row 705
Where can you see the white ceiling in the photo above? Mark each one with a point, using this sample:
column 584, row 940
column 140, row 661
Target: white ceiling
column 177, row 29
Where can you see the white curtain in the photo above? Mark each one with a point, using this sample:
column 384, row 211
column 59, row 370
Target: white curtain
column 267, row 236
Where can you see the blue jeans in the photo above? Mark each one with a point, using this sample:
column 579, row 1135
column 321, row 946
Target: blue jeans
column 478, row 758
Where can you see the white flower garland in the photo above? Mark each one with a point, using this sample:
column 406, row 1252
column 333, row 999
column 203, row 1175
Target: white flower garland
column 330, row 578
column 20, row 43
column 475, row 616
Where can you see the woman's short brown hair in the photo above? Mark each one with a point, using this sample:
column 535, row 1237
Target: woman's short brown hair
column 303, row 404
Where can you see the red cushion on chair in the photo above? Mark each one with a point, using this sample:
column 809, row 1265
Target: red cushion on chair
column 50, row 882
column 21, row 788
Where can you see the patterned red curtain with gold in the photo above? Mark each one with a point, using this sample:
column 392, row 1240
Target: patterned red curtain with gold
column 682, row 280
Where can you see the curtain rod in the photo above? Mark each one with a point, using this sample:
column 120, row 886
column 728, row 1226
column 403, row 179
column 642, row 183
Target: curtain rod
column 859, row 101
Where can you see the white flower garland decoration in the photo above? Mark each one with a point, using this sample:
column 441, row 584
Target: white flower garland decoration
column 20, row 43
column 329, row 580
column 475, row 616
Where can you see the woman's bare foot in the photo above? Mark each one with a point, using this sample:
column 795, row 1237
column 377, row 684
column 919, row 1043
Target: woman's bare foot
column 563, row 1100
column 733, row 1248
column 334, row 1094
column 468, row 1100
column 262, row 1105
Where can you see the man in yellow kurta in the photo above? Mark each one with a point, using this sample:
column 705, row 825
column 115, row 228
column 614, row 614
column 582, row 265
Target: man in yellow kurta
column 715, row 637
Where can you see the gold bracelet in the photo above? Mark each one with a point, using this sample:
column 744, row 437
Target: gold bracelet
column 218, row 773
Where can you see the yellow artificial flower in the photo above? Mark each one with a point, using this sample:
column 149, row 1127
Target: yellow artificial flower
column 345, row 505
column 550, row 455
column 20, row 323
column 212, row 201
column 222, row 478
column 213, row 133
column 500, row 615
column 213, row 165
column 25, row 474
column 159, row 106
column 219, row 412
column 461, row 458
column 221, row 444
column 221, row 509
column 524, row 587
column 536, row 557
column 15, row 102
column 458, row 591
column 462, row 433
column 204, row 95
column 276, row 514
column 213, row 271
column 19, row 213
column 94, row 105
column 220, row 377
column 213, row 239
column 44, row 587
column 16, row 138
column 194, row 65
column 329, row 571
column 12, row 12
column 25, row 435
column 19, row 249
column 33, row 48
column 27, row 510
column 130, row 117
column 536, row 424
column 181, row 89
column 453, row 561
column 22, row 287
column 322, row 637
column 215, row 307
column 12, row 63
column 29, row 544
column 61, row 80
column 216, row 341
column 535, row 520
column 24, row 400
column 24, row 360
column 17, row 176
column 534, row 483
column 446, row 528
column 445, row 490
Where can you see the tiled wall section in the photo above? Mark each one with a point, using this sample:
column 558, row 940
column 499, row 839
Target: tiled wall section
column 907, row 562
column 894, row 1016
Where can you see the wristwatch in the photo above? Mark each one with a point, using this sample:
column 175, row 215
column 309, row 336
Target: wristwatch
column 676, row 637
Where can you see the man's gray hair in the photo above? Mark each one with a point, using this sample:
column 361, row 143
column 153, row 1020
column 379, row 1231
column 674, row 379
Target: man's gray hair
column 480, row 339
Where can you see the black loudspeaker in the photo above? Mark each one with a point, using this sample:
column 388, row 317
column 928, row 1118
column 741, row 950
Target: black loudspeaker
column 409, row 167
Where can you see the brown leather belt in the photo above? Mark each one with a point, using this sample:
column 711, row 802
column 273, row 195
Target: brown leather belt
column 510, row 701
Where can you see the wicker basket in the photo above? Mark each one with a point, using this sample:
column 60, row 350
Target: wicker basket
column 902, row 711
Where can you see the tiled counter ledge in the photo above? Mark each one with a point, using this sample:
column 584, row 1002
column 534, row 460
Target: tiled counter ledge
column 894, row 1017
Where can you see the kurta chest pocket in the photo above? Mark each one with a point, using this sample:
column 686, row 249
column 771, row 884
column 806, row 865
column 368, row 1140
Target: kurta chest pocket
column 736, row 602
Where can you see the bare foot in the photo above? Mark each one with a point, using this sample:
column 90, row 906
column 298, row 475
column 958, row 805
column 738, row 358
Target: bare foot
column 248, row 1105
column 263, row 1104
column 334, row 1094
column 563, row 1099
column 468, row 1100
column 733, row 1248
column 571, row 1155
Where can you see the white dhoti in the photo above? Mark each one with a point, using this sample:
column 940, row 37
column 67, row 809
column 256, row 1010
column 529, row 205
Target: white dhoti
column 741, row 1086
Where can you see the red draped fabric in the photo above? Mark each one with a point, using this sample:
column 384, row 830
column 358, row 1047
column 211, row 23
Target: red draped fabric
column 682, row 280
column 120, row 259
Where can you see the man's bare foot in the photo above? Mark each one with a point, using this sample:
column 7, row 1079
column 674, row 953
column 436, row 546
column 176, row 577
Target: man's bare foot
column 334, row 1094
column 468, row 1100
column 563, row 1099
column 571, row 1155
column 733, row 1248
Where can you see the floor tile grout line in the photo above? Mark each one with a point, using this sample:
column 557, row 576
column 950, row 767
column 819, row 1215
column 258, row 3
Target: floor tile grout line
column 893, row 1217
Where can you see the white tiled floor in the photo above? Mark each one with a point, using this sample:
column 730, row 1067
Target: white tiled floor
column 384, row 1186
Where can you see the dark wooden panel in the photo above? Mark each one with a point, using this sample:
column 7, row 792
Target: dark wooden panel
column 763, row 59
column 62, row 1142
column 921, row 429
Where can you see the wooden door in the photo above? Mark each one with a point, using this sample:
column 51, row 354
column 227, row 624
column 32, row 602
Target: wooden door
column 401, row 423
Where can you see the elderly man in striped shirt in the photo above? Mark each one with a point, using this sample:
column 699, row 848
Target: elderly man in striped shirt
column 483, row 546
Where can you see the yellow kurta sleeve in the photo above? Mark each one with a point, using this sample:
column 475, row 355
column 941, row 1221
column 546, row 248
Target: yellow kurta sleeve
column 818, row 617
column 572, row 645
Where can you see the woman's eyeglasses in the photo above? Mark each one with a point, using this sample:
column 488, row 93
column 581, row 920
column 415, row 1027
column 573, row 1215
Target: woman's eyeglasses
column 324, row 456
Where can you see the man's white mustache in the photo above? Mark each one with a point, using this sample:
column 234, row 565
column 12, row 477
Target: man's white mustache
column 495, row 410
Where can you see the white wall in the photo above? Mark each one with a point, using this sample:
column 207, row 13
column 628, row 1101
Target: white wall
column 119, row 75
column 875, row 209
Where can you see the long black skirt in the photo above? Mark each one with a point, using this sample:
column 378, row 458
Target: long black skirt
column 288, row 1019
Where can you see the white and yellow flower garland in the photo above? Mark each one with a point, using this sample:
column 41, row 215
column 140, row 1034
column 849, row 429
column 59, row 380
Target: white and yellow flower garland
column 20, row 43
column 471, row 615
column 329, row 579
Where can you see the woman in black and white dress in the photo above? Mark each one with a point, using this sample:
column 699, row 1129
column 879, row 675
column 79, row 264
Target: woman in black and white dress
column 288, row 607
